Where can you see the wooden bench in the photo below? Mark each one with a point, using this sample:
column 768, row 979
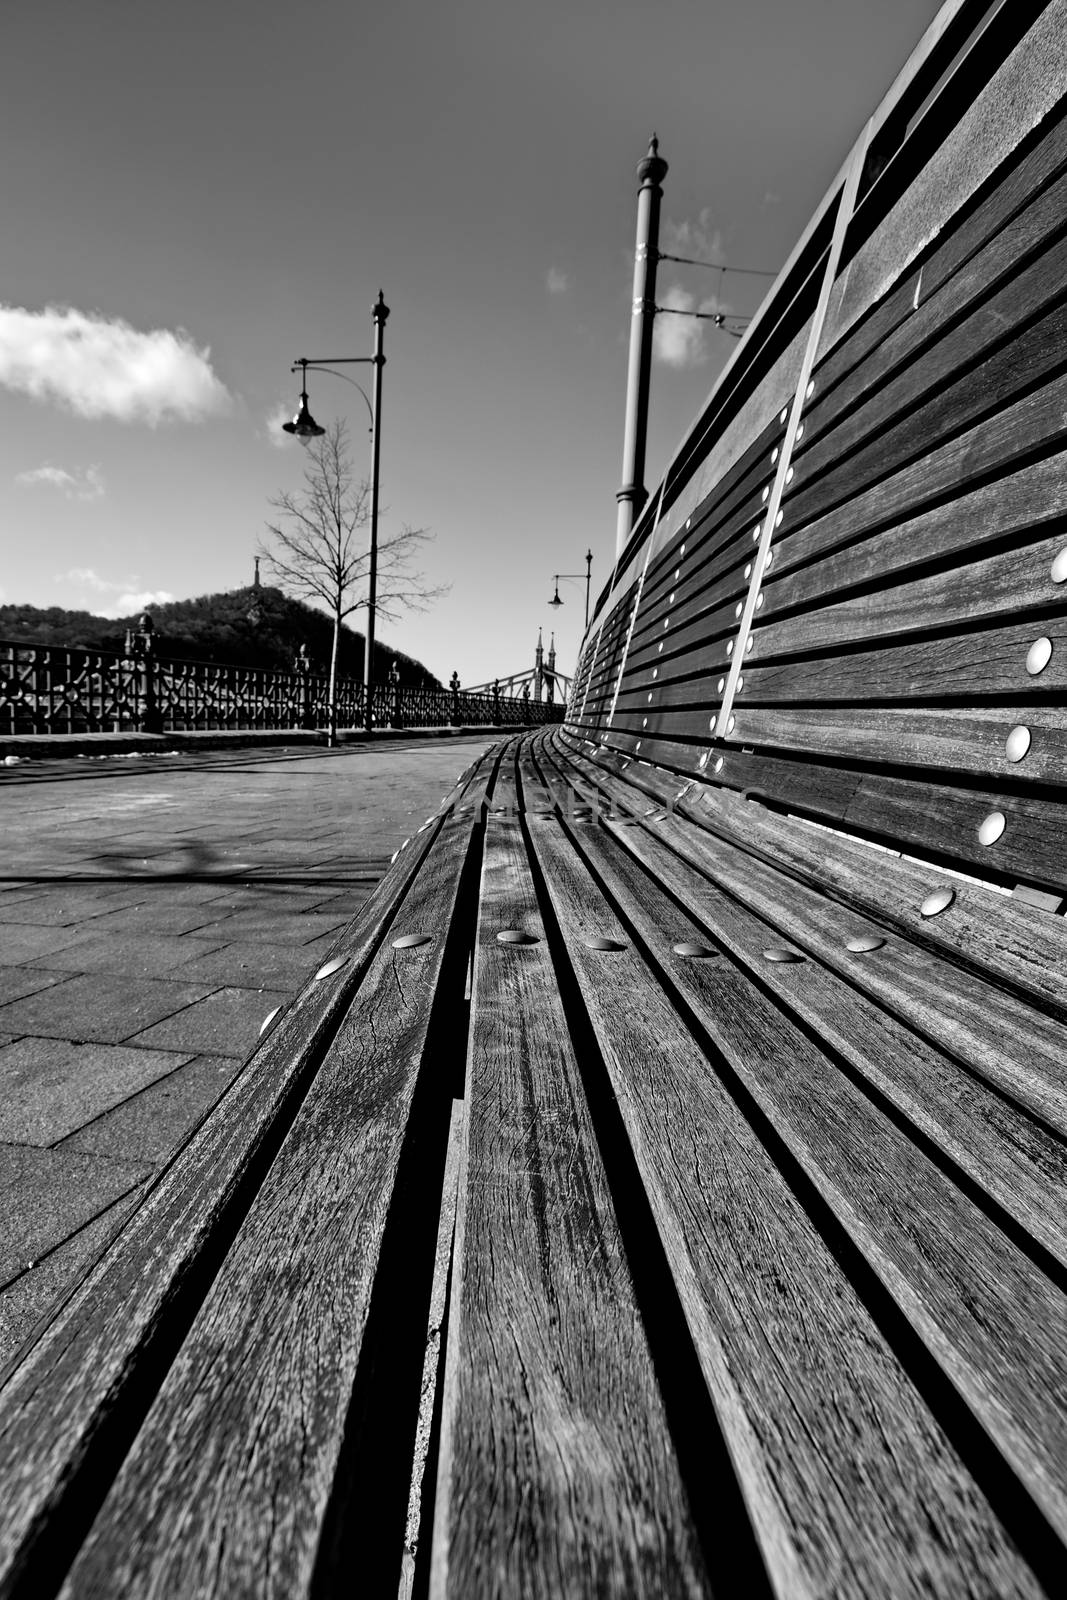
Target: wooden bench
column 669, row 1161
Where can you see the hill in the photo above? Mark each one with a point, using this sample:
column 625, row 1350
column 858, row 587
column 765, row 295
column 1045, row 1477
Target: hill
column 218, row 627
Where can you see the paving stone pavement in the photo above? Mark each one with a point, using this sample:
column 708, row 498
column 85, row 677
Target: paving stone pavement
column 152, row 913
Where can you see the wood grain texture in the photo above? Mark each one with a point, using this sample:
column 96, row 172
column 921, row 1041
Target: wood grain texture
column 986, row 288
column 1025, row 177
column 226, row 1488
column 909, row 813
column 993, row 1323
column 908, row 421
column 808, row 1394
column 82, row 1382
column 996, row 588
column 900, row 1047
column 1023, row 91
column 963, row 669
column 944, row 741
column 557, row 1475
column 951, row 532
column 1022, row 948
column 1036, row 422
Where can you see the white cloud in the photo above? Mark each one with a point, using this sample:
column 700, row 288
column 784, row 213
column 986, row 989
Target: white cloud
column 272, row 424
column 128, row 598
column 556, row 282
column 697, row 239
column 92, row 580
column 682, row 341
column 127, row 603
column 87, row 485
column 101, row 368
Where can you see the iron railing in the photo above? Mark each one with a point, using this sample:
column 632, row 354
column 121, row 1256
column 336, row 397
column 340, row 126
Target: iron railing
column 50, row 689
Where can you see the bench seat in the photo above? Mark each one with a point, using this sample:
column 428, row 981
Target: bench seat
column 757, row 1277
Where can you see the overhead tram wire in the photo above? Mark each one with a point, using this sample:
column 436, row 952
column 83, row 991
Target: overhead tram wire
column 719, row 318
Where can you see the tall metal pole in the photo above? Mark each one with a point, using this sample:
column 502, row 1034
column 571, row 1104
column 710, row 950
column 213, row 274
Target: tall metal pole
column 588, row 580
column 632, row 494
column 381, row 312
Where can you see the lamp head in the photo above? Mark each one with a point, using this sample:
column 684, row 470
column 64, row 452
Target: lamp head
column 555, row 600
column 303, row 426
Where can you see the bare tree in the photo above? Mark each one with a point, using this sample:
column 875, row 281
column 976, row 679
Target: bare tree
column 319, row 549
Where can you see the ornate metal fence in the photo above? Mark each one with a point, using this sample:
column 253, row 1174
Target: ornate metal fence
column 46, row 689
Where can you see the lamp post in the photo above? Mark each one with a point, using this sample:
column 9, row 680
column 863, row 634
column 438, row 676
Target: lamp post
column 305, row 428
column 577, row 576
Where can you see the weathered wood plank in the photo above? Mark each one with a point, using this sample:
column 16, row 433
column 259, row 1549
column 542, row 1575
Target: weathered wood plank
column 992, row 1322
column 1008, row 507
column 912, row 418
column 807, row 1391
column 973, row 741
column 1023, row 91
column 996, row 1034
column 965, row 668
column 1036, row 423
column 981, row 931
column 998, row 587
column 937, row 817
column 1024, row 178
column 81, row 1391
column 208, row 1501
column 990, row 284
column 557, row 1475
column 899, row 1049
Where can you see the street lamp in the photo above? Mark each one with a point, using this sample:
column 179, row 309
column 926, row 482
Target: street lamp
column 305, row 428
column 577, row 576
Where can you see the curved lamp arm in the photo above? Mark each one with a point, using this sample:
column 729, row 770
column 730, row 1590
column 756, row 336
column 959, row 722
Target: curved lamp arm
column 318, row 366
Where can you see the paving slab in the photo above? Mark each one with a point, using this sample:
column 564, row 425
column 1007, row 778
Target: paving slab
column 26, row 942
column 28, row 1299
column 149, row 1126
column 47, row 1195
column 99, row 1006
column 49, row 1088
column 226, row 1023
column 15, row 982
column 155, row 911
column 137, row 955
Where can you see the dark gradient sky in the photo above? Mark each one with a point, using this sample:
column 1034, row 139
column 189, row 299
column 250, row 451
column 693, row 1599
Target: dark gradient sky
column 252, row 173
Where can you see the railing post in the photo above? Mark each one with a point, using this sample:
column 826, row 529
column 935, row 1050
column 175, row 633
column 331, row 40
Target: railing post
column 453, row 684
column 496, row 702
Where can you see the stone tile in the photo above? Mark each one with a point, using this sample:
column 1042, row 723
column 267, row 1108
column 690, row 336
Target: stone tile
column 157, row 917
column 49, row 1088
column 225, row 1024
column 61, row 907
column 150, row 1126
column 142, row 956
column 246, row 964
column 99, row 1007
column 46, row 1195
column 21, row 943
column 26, row 1301
column 15, row 982
column 277, row 926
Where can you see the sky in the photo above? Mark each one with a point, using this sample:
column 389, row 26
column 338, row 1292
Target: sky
column 195, row 196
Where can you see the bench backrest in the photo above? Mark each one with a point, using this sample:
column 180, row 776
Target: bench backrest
column 849, row 595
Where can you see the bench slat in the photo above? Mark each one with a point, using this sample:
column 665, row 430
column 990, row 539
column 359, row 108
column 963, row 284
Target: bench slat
column 1028, row 174
column 1005, row 585
column 808, row 1393
column 1020, row 947
column 992, row 1322
column 70, row 1405
column 1036, row 422
column 557, row 1475
column 274, row 1353
column 996, row 273
column 931, row 412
